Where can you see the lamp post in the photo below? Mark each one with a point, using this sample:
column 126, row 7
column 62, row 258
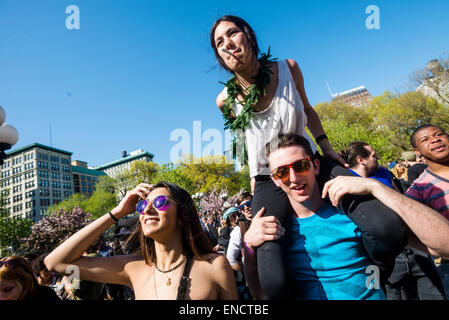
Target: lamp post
column 8, row 135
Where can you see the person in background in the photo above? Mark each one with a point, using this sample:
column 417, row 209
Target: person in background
column 230, row 217
column 431, row 143
column 18, row 281
column 234, row 254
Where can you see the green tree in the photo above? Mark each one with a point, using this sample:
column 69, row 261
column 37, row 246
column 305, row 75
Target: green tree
column 12, row 229
column 396, row 116
column 341, row 133
column 76, row 200
column 209, row 172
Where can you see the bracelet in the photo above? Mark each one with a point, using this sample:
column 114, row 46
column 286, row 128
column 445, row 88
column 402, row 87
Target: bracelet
column 112, row 216
column 251, row 252
column 321, row 137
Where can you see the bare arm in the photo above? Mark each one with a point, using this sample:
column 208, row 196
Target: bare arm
column 98, row 269
column 430, row 227
column 224, row 277
column 313, row 120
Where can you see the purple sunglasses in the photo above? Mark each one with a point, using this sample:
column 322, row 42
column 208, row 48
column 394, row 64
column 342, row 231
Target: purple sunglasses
column 160, row 203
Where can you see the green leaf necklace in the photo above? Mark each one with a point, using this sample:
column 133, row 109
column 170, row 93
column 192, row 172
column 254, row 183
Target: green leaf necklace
column 255, row 91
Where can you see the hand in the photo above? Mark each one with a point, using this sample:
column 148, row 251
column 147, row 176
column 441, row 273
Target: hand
column 128, row 204
column 263, row 229
column 341, row 185
column 332, row 155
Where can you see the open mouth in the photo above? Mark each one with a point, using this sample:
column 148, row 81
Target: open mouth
column 439, row 148
column 299, row 189
column 151, row 220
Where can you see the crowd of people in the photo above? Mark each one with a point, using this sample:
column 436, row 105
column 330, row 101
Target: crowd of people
column 312, row 227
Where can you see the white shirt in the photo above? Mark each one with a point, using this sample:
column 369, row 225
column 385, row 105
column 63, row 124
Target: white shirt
column 234, row 246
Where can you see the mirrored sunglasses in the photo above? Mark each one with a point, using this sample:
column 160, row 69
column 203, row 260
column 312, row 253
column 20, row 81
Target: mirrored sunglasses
column 160, row 203
column 299, row 166
column 247, row 203
column 10, row 263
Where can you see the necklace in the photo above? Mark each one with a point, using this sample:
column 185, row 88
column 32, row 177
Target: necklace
column 171, row 269
column 254, row 92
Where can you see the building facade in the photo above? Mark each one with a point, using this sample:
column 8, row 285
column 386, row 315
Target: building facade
column 357, row 97
column 113, row 169
column 34, row 177
column 84, row 179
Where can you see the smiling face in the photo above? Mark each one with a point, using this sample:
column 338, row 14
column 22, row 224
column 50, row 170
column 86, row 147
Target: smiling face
column 228, row 36
column 299, row 187
column 433, row 144
column 159, row 222
column 10, row 290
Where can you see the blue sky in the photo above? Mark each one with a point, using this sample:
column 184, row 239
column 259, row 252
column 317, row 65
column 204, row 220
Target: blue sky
column 137, row 70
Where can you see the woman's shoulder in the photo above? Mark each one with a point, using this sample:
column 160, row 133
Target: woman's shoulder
column 211, row 260
column 221, row 98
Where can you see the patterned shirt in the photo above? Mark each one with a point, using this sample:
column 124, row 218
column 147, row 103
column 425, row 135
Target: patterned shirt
column 432, row 190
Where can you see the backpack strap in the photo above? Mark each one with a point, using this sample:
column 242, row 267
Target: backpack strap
column 185, row 278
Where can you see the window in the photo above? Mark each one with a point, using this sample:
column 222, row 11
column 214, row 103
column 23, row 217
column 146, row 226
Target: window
column 29, row 184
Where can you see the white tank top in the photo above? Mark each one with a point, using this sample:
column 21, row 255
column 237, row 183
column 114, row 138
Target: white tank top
column 285, row 114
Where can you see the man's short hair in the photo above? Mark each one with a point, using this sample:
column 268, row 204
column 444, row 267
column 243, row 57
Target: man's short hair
column 424, row 126
column 290, row 140
column 244, row 196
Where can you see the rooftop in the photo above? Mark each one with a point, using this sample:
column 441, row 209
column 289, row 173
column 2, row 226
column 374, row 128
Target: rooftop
column 37, row 145
column 124, row 160
column 91, row 172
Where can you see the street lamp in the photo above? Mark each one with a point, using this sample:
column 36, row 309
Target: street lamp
column 8, row 135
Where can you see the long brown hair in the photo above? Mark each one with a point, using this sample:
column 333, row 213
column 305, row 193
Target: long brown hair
column 194, row 240
column 22, row 274
column 242, row 25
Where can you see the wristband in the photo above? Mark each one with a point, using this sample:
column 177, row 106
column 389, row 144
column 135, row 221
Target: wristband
column 251, row 252
column 112, row 216
column 321, row 137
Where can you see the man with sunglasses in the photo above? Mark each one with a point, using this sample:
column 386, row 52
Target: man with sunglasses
column 325, row 253
column 234, row 252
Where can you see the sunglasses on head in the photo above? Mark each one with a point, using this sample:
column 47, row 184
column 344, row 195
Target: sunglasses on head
column 299, row 166
column 160, row 203
column 247, row 203
column 10, row 263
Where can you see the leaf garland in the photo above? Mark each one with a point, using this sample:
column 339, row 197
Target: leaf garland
column 255, row 91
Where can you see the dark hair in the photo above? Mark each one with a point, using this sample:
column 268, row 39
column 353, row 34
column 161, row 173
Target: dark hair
column 22, row 274
column 231, row 217
column 245, row 195
column 290, row 140
column 194, row 239
column 353, row 150
column 424, row 126
column 242, row 25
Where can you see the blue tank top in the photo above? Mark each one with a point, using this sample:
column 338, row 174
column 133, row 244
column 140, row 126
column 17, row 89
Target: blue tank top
column 327, row 259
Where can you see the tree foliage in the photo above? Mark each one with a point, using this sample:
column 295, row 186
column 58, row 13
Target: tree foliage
column 386, row 124
column 52, row 230
column 12, row 229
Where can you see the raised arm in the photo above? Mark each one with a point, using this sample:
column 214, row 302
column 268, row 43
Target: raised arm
column 313, row 120
column 427, row 225
column 98, row 269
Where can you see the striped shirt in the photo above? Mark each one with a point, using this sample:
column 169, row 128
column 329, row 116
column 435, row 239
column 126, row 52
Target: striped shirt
column 432, row 190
